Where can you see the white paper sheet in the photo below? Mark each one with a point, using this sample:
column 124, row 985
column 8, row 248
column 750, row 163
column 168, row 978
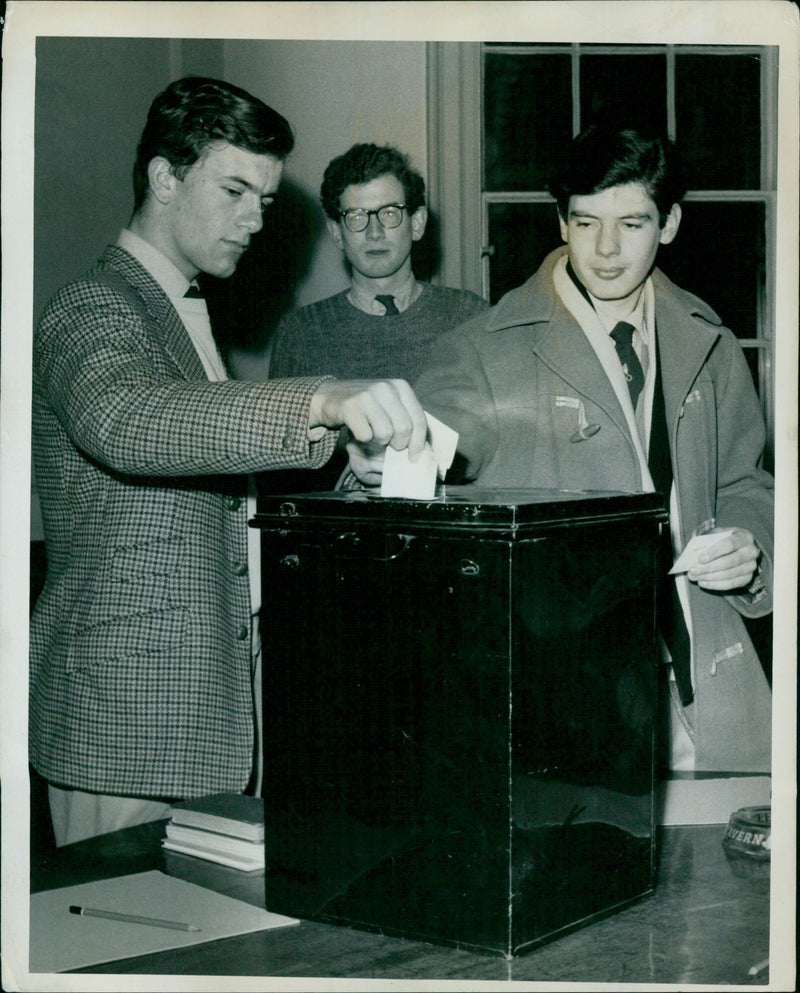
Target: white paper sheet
column 60, row 941
column 404, row 478
column 417, row 480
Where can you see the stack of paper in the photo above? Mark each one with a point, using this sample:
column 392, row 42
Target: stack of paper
column 225, row 827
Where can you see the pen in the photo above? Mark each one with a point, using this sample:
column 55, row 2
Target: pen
column 758, row 968
column 110, row 915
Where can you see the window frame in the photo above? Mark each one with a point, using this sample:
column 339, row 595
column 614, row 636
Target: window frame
column 455, row 184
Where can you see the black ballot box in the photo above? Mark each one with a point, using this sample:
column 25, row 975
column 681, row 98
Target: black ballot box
column 459, row 710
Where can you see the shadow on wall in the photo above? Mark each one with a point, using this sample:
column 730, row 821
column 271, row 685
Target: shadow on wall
column 426, row 253
column 245, row 308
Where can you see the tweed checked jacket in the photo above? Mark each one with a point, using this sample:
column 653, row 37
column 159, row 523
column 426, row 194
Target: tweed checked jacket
column 514, row 383
column 140, row 662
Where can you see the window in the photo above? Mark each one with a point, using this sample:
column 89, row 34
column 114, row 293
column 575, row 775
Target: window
column 717, row 102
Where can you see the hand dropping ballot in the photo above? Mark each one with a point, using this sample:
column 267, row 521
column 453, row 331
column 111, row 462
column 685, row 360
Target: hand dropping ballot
column 698, row 543
column 417, row 480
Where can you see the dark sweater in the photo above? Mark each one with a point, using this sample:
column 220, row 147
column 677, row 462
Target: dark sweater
column 334, row 337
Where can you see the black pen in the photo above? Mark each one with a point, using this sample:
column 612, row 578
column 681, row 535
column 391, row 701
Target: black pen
column 110, row 915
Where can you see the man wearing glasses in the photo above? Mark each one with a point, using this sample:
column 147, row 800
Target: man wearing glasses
column 384, row 323
column 375, row 202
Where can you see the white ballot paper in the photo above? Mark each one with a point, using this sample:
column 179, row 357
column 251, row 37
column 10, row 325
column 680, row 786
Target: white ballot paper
column 417, row 480
column 696, row 544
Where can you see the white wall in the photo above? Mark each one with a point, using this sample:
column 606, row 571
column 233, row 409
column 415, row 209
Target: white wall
column 335, row 94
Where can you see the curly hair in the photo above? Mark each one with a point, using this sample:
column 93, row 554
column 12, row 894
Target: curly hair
column 363, row 163
column 192, row 114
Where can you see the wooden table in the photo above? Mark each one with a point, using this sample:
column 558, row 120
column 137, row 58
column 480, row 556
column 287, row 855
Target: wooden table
column 707, row 923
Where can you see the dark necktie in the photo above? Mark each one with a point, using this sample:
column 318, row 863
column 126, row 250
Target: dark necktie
column 194, row 292
column 631, row 366
column 388, row 303
column 672, row 624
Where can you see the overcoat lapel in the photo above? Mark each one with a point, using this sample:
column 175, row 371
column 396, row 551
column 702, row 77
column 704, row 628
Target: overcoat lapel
column 683, row 346
column 558, row 340
column 561, row 345
column 566, row 350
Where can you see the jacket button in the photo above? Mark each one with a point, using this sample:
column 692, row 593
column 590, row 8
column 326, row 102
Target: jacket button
column 240, row 569
column 288, row 442
column 234, row 503
column 242, row 633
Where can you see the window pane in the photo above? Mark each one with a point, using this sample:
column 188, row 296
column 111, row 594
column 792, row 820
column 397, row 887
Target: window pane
column 527, row 116
column 718, row 117
column 521, row 235
column 624, row 91
column 719, row 255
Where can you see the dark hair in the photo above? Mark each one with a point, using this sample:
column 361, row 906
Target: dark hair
column 600, row 158
column 193, row 113
column 363, row 163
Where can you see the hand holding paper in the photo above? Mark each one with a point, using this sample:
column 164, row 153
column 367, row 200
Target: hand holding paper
column 384, row 411
column 722, row 560
column 417, row 480
column 698, row 543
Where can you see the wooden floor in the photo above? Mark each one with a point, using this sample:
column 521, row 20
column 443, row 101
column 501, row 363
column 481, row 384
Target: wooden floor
column 708, row 923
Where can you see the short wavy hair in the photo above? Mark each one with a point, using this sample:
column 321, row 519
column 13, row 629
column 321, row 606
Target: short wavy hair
column 194, row 113
column 600, row 158
column 363, row 163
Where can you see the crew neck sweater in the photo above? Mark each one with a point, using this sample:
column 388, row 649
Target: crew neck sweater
column 335, row 338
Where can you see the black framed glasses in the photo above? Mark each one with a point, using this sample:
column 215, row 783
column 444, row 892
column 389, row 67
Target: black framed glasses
column 357, row 219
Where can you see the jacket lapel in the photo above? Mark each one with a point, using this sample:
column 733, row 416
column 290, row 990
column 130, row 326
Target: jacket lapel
column 167, row 325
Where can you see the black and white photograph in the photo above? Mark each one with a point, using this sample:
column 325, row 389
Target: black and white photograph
column 398, row 495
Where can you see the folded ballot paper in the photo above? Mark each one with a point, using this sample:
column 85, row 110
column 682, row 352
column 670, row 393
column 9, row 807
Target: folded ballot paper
column 417, row 480
column 698, row 543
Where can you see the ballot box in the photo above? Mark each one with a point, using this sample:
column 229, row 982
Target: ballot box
column 459, row 707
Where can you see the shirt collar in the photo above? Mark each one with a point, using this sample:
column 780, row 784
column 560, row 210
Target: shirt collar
column 638, row 317
column 364, row 298
column 171, row 280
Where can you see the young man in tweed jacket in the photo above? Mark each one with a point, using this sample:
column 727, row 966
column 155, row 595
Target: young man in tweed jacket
column 142, row 641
